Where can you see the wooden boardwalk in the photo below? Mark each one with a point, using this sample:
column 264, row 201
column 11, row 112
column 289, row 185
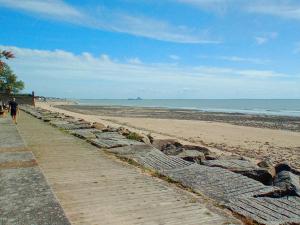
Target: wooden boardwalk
column 96, row 188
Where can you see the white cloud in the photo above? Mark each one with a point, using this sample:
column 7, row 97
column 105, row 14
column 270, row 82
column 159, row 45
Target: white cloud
column 261, row 40
column 151, row 28
column 265, row 38
column 237, row 59
column 64, row 74
column 135, row 60
column 104, row 58
column 174, row 57
column 286, row 9
column 259, row 73
column 110, row 20
column 48, row 8
column 219, row 6
column 289, row 9
column 242, row 59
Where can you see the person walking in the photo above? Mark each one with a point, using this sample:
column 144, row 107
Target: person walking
column 2, row 111
column 14, row 109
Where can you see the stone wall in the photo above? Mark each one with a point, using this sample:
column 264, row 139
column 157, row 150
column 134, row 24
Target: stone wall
column 20, row 98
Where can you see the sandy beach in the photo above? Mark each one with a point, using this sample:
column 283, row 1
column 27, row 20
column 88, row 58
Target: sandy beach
column 257, row 137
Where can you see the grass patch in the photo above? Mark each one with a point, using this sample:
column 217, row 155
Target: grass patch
column 134, row 136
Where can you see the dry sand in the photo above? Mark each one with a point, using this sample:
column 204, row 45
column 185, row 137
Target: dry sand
column 257, row 143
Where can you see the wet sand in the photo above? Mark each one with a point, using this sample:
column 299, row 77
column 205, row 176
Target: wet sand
column 262, row 121
column 258, row 137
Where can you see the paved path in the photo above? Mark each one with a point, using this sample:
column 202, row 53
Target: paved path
column 9, row 137
column 96, row 188
column 25, row 196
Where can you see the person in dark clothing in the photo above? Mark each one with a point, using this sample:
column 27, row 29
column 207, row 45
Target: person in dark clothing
column 1, row 108
column 14, row 109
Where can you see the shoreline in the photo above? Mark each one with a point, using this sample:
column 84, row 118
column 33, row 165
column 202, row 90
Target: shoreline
column 245, row 112
column 253, row 142
column 291, row 123
column 267, row 107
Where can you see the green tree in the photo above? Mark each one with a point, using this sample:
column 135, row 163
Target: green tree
column 9, row 82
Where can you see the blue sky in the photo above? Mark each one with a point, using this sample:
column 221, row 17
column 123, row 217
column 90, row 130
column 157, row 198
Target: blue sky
column 155, row 48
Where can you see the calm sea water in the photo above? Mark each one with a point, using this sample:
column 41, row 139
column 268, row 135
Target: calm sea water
column 288, row 107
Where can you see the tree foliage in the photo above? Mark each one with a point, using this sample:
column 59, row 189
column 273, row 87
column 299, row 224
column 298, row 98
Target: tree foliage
column 8, row 80
column 6, row 55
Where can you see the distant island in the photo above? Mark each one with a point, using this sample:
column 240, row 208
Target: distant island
column 138, row 98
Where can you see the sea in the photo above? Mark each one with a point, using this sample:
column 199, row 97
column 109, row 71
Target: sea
column 279, row 107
